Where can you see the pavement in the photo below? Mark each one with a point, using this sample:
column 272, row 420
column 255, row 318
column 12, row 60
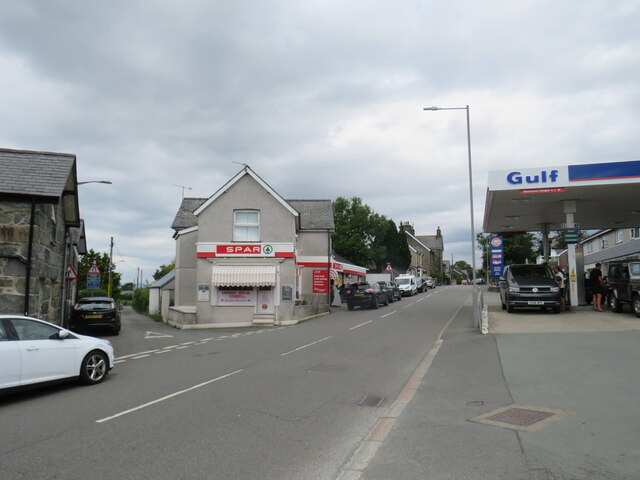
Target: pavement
column 542, row 396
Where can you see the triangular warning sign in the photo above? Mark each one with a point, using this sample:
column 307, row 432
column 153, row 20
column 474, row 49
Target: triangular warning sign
column 93, row 269
column 70, row 273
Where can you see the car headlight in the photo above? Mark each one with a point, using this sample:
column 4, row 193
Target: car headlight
column 514, row 289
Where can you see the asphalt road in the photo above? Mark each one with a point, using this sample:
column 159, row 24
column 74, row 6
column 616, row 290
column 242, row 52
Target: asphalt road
column 272, row 403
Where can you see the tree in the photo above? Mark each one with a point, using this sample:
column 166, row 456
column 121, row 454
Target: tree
column 103, row 262
column 518, row 248
column 163, row 270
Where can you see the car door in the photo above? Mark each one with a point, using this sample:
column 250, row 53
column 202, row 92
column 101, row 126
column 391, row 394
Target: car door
column 9, row 358
column 43, row 355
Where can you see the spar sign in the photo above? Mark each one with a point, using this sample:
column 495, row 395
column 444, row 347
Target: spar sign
column 496, row 255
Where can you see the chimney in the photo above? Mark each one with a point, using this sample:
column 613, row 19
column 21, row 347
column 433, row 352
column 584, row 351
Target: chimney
column 408, row 228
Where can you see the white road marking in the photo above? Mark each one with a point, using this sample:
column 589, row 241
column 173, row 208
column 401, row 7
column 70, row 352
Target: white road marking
column 358, row 326
column 139, row 356
column 390, row 313
column 136, row 354
column 419, row 300
column 407, row 306
column 166, row 397
column 156, row 335
column 305, row 346
column 188, row 343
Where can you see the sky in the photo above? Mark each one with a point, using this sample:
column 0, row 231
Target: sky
column 321, row 98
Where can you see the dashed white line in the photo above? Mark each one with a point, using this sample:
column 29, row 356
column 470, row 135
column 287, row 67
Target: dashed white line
column 135, row 354
column 305, row 346
column 407, row 306
column 420, row 299
column 140, row 356
column 358, row 326
column 390, row 313
column 167, row 397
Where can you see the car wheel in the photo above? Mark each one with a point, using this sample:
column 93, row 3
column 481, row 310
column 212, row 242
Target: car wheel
column 510, row 308
column 386, row 301
column 614, row 303
column 556, row 309
column 636, row 304
column 94, row 368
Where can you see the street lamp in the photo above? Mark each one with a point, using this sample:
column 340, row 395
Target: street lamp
column 473, row 239
column 95, row 181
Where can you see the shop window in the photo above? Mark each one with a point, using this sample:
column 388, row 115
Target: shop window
column 246, row 226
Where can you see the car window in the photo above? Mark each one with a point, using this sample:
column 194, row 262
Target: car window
column 531, row 271
column 95, row 305
column 634, row 268
column 403, row 281
column 30, row 330
column 3, row 334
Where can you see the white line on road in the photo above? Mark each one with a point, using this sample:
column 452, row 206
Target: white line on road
column 140, row 356
column 305, row 346
column 407, row 306
column 136, row 354
column 420, row 299
column 167, row 397
column 390, row 313
column 358, row 326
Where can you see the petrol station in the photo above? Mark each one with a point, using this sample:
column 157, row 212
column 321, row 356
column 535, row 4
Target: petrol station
column 563, row 198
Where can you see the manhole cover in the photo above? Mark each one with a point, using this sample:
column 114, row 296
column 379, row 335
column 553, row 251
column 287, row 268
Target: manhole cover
column 521, row 417
column 371, row 401
column 323, row 367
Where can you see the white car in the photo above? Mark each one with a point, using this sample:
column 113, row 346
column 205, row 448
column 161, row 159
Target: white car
column 34, row 351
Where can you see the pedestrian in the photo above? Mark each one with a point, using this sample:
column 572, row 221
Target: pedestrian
column 559, row 277
column 597, row 287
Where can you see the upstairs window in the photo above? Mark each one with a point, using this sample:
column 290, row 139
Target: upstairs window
column 635, row 232
column 619, row 236
column 246, row 226
column 604, row 243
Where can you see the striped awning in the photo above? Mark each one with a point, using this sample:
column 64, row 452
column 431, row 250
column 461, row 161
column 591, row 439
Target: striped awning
column 243, row 275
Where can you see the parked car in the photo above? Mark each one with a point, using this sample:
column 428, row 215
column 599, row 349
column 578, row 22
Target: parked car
column 420, row 285
column 365, row 294
column 34, row 351
column 624, row 282
column 429, row 282
column 392, row 291
column 92, row 312
column 407, row 285
column 528, row 285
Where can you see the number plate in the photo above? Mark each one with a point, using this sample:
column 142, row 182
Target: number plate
column 359, row 295
column 535, row 302
column 93, row 316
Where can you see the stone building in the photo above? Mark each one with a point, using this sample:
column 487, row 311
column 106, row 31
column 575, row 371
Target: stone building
column 41, row 233
column 427, row 251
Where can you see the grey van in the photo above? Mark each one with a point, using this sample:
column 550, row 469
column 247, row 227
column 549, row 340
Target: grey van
column 528, row 285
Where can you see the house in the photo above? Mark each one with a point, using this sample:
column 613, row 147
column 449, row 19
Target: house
column 611, row 244
column 426, row 252
column 41, row 233
column 246, row 256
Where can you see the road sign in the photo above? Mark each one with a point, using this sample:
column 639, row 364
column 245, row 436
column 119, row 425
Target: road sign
column 93, row 281
column 94, row 269
column 70, row 273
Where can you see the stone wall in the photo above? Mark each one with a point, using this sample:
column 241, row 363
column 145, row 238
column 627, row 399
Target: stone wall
column 47, row 266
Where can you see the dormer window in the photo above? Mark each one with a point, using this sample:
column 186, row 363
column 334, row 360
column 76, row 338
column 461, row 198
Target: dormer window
column 246, row 226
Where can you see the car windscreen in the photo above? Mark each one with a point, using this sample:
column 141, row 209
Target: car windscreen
column 531, row 271
column 361, row 287
column 634, row 269
column 95, row 305
column 403, row 281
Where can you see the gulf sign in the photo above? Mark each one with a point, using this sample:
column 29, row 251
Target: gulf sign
column 238, row 250
column 496, row 247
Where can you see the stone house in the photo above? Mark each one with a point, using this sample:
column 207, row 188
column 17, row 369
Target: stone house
column 426, row 252
column 41, row 233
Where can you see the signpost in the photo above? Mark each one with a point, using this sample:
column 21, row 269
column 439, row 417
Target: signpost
column 496, row 247
column 93, row 277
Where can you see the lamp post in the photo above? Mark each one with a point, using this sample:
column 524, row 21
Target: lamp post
column 473, row 239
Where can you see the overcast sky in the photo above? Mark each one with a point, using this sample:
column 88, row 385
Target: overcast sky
column 321, row 98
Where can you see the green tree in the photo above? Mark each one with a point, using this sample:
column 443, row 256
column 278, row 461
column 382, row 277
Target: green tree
column 518, row 248
column 103, row 263
column 352, row 237
column 163, row 270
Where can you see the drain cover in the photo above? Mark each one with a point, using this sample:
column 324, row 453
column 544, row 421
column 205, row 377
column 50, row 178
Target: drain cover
column 521, row 417
column 371, row 401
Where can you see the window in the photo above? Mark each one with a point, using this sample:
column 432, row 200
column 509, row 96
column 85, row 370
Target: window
column 30, row 330
column 619, row 236
column 635, row 232
column 246, row 226
column 604, row 242
column 590, row 247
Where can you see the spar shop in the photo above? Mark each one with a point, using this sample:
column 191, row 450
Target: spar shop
column 246, row 256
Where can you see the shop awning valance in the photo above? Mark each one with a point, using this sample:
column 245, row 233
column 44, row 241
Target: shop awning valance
column 244, row 275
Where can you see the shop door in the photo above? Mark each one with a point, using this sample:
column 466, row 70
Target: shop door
column 265, row 303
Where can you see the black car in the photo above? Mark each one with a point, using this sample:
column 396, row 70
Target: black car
column 624, row 280
column 365, row 294
column 96, row 312
column 529, row 285
column 392, row 291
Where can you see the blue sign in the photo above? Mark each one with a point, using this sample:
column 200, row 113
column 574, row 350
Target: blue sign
column 93, row 281
column 496, row 251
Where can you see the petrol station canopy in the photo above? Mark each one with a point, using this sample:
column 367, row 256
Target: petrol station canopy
column 599, row 195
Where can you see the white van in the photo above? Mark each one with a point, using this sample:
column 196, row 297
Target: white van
column 407, row 285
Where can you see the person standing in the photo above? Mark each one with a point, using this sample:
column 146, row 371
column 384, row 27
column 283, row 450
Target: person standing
column 559, row 277
column 597, row 287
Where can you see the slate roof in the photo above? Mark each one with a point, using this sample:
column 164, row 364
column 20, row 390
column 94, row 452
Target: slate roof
column 185, row 217
column 314, row 214
column 165, row 280
column 40, row 174
column 432, row 241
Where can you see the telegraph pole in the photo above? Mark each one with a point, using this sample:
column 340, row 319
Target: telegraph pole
column 110, row 268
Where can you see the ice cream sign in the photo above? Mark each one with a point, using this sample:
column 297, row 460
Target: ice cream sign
column 227, row 250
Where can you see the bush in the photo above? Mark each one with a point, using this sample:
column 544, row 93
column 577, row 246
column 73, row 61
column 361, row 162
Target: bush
column 141, row 300
column 92, row 293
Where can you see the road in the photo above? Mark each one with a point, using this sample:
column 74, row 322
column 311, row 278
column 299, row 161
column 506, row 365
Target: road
column 276, row 403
